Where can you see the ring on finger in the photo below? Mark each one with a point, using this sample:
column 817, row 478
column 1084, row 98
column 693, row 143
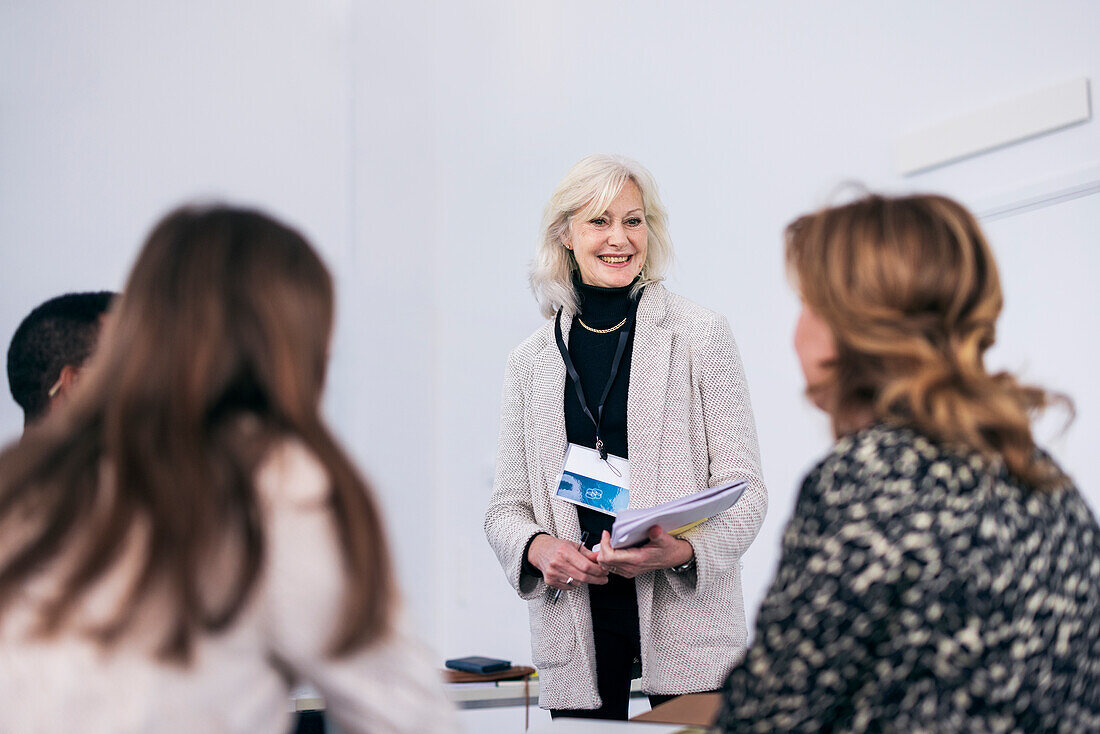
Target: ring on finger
column 569, row 581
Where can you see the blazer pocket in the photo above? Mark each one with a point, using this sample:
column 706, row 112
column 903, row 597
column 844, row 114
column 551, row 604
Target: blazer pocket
column 553, row 636
column 716, row 619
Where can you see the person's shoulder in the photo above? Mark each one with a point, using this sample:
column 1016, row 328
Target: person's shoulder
column 524, row 354
column 886, row 457
column 1059, row 508
column 1069, row 500
column 688, row 320
column 889, row 471
column 684, row 315
column 290, row 473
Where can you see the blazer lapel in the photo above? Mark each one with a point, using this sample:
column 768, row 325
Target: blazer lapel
column 548, row 406
column 645, row 410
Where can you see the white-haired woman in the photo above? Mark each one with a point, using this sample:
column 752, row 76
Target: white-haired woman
column 646, row 386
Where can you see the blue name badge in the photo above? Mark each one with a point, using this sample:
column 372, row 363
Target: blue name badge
column 590, row 481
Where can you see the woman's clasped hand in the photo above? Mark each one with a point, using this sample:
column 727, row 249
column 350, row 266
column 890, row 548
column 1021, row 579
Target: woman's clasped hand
column 660, row 552
column 564, row 565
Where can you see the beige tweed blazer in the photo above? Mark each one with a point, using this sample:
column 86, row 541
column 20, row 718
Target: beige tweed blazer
column 689, row 426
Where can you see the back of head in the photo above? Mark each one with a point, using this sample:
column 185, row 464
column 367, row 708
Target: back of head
column 61, row 332
column 225, row 309
column 217, row 348
column 909, row 287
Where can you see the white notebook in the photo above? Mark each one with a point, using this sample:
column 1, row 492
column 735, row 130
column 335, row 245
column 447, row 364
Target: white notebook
column 678, row 516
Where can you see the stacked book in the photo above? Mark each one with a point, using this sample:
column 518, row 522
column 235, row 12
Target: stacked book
column 632, row 526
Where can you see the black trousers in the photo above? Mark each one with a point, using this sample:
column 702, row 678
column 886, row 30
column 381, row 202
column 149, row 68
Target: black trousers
column 309, row 722
column 616, row 652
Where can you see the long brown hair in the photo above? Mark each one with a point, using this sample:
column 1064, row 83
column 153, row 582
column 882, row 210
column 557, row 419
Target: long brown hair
column 910, row 289
column 224, row 323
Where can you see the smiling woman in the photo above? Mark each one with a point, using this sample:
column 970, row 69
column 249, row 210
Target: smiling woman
column 610, row 247
column 656, row 393
column 602, row 202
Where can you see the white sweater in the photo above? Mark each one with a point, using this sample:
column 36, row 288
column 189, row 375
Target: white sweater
column 238, row 681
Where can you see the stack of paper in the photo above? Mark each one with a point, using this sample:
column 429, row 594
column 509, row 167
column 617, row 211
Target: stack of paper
column 632, row 526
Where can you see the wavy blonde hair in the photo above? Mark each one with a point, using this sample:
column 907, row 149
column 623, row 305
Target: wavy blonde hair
column 588, row 189
column 910, row 289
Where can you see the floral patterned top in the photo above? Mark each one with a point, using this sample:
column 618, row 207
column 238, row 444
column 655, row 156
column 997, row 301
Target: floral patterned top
column 922, row 589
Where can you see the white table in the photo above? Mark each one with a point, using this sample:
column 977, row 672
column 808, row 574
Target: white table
column 462, row 695
column 595, row 726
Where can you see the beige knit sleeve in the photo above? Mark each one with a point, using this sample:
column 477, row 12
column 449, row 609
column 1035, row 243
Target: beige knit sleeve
column 734, row 453
column 510, row 519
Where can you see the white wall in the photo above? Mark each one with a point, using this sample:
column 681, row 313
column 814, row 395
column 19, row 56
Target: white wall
column 747, row 115
column 388, row 412
column 417, row 142
column 112, row 112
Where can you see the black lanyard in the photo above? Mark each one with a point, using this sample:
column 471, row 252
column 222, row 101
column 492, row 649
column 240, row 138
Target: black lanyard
column 624, row 335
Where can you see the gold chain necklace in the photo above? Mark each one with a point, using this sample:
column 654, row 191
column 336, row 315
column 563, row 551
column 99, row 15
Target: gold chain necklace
column 601, row 331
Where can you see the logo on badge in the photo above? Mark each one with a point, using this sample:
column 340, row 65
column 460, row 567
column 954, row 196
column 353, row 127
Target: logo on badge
column 593, row 493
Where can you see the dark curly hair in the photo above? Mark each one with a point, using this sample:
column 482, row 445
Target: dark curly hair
column 62, row 331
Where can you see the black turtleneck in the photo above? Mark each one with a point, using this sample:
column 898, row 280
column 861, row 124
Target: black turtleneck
column 592, row 354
